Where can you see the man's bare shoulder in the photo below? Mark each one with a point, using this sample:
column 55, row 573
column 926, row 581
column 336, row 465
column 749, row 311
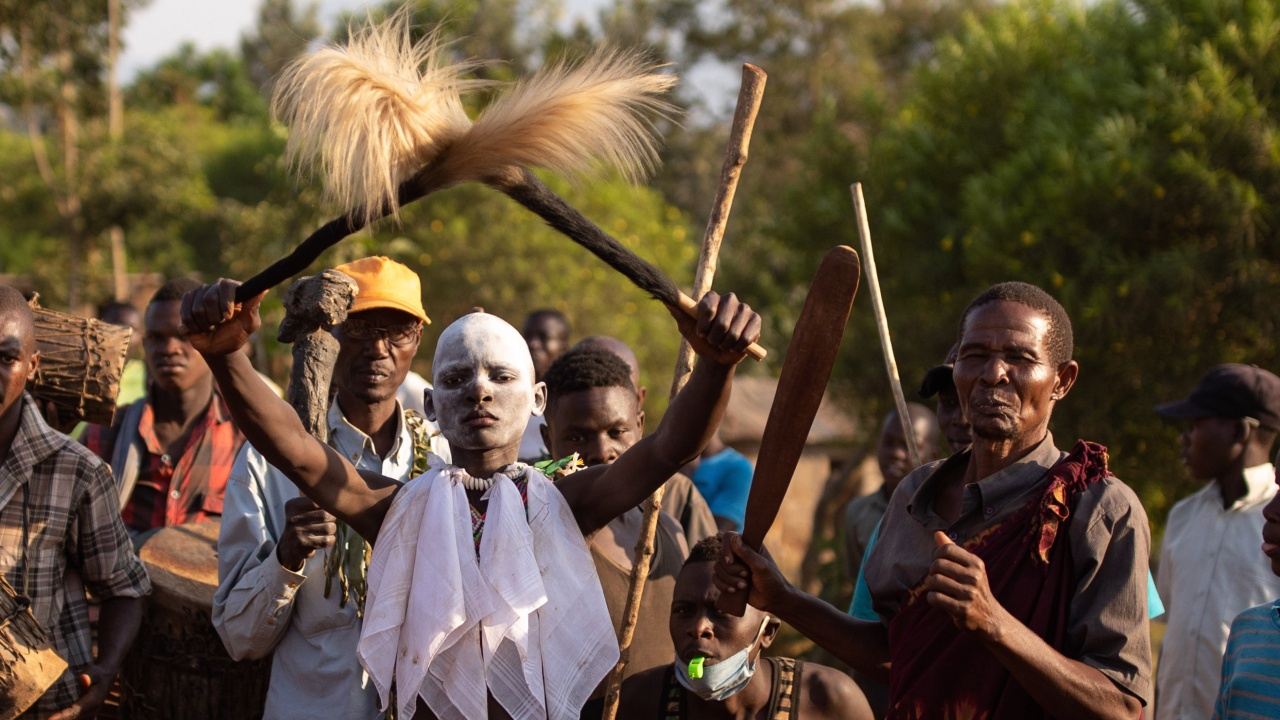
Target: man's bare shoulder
column 642, row 694
column 829, row 693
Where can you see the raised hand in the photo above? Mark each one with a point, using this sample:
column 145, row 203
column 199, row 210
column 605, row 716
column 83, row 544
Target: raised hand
column 214, row 323
column 723, row 330
column 741, row 569
column 307, row 528
column 957, row 584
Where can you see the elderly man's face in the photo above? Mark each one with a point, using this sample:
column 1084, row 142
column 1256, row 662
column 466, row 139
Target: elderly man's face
column 375, row 350
column 484, row 390
column 1004, row 376
column 18, row 360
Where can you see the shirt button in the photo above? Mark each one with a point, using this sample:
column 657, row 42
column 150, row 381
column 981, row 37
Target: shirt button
column 271, row 621
column 952, row 536
column 166, row 459
column 991, row 511
column 175, row 494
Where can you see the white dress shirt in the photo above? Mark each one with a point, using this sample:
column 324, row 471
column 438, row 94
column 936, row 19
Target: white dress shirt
column 1211, row 569
column 262, row 607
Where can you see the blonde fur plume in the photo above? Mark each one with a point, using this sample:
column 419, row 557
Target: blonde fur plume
column 366, row 116
column 571, row 120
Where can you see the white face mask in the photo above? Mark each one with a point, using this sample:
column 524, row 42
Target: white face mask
column 727, row 677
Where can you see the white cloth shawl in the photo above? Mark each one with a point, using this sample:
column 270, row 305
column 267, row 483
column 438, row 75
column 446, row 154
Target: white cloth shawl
column 526, row 621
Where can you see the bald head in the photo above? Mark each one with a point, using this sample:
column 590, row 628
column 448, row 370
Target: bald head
column 14, row 309
column 480, row 329
column 484, row 390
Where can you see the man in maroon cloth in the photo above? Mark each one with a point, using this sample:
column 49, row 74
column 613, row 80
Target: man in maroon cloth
column 1011, row 578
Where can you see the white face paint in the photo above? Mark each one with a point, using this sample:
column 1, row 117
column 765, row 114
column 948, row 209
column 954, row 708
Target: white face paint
column 484, row 392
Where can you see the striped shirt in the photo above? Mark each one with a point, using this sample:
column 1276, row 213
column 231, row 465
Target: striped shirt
column 1251, row 668
column 76, row 542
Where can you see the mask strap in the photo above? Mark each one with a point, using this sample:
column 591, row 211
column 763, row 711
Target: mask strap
column 759, row 634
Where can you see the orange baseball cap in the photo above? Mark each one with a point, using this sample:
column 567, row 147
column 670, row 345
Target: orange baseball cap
column 385, row 283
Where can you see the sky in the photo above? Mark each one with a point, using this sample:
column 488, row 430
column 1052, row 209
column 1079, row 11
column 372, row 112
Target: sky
column 160, row 27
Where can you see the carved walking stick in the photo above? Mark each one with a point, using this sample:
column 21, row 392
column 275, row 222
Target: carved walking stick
column 805, row 372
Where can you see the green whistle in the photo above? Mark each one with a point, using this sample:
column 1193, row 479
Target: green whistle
column 695, row 668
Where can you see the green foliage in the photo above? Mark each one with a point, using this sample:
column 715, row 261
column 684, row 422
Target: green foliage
column 1124, row 158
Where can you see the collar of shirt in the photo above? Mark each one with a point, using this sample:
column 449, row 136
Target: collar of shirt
column 354, row 445
column 33, row 442
column 216, row 413
column 1260, row 484
column 991, row 495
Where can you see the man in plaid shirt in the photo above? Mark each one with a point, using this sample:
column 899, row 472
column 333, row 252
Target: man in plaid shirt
column 171, row 451
column 75, row 539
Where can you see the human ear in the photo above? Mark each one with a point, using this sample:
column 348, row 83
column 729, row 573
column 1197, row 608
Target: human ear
column 429, row 405
column 35, row 364
column 539, row 398
column 770, row 633
column 1067, row 374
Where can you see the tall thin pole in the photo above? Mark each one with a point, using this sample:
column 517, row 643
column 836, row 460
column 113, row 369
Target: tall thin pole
column 115, row 130
column 882, row 323
column 744, row 119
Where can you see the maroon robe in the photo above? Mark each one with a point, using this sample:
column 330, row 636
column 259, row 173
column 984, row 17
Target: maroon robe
column 940, row 671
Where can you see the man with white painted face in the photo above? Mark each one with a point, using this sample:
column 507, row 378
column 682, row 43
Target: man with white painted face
column 1010, row 579
column 483, row 601
column 718, row 671
column 276, row 597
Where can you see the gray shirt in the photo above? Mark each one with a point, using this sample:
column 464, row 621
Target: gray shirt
column 1107, row 627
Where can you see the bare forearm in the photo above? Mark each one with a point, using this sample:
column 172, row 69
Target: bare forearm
column 1073, row 690
column 118, row 623
column 862, row 645
column 694, row 415
column 268, row 423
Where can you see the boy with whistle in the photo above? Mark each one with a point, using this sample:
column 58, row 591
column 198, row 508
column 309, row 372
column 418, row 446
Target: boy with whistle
column 483, row 600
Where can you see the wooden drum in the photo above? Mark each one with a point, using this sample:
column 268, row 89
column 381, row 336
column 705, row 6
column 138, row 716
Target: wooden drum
column 178, row 668
column 28, row 666
column 81, row 361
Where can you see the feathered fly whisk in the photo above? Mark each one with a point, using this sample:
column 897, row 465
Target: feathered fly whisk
column 382, row 122
column 368, row 116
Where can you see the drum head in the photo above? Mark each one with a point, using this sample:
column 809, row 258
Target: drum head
column 183, row 564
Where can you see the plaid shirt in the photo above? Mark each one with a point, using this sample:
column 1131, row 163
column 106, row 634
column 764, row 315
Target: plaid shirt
column 172, row 491
column 76, row 541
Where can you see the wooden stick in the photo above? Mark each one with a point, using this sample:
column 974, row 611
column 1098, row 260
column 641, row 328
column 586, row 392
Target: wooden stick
column 744, row 120
column 815, row 343
column 882, row 323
